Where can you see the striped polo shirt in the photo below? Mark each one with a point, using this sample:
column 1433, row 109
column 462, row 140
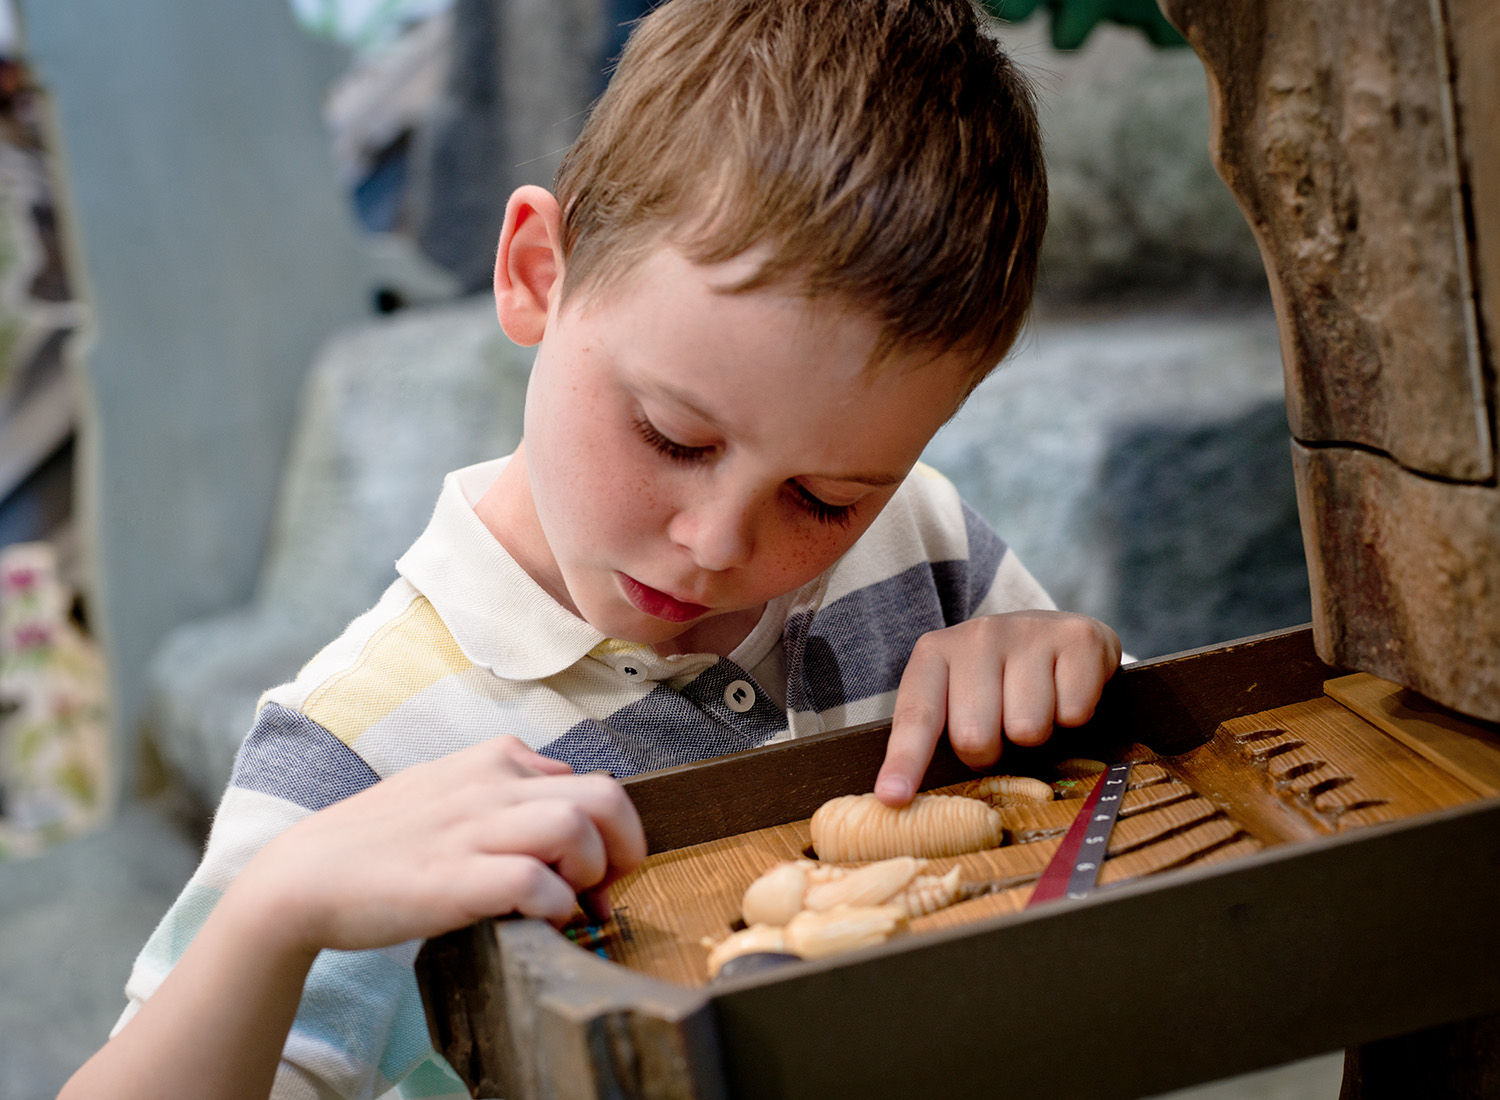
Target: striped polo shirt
column 464, row 645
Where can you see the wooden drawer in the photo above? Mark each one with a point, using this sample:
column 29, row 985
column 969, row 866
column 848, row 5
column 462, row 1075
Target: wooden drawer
column 1348, row 907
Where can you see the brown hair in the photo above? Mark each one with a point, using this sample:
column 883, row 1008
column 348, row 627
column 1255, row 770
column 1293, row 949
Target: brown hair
column 883, row 152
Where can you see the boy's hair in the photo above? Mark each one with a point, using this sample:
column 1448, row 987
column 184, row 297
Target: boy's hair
column 882, row 152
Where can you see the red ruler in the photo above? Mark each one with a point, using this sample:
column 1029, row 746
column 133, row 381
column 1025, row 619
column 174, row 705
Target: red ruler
column 1074, row 869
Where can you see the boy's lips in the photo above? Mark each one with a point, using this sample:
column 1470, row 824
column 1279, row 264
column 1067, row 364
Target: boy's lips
column 657, row 603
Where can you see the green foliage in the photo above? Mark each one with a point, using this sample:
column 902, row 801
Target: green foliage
column 1074, row 20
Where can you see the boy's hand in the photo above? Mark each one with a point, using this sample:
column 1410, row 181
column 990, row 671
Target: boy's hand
column 1013, row 676
column 491, row 830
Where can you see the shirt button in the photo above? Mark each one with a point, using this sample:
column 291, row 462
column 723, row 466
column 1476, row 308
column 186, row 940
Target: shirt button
column 739, row 696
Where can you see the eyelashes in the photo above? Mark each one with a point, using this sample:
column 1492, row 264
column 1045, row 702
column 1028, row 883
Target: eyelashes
column 668, row 448
column 836, row 515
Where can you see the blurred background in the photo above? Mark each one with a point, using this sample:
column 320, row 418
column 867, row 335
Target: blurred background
column 244, row 330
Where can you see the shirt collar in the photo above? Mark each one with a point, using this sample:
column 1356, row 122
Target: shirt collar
column 500, row 617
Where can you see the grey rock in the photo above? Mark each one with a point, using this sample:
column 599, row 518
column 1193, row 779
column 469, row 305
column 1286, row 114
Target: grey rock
column 390, row 406
column 1202, row 522
column 1139, row 464
column 459, row 173
column 1136, row 205
column 522, row 74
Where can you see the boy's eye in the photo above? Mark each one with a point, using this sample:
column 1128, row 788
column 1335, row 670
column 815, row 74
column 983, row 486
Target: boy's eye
column 837, row 515
column 669, row 448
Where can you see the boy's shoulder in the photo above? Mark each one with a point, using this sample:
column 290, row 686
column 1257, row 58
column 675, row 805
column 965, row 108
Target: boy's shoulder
column 929, row 542
column 402, row 628
column 926, row 513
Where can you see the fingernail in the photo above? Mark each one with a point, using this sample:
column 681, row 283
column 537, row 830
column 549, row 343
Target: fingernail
column 893, row 788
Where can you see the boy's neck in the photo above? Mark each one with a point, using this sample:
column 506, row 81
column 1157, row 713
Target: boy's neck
column 507, row 512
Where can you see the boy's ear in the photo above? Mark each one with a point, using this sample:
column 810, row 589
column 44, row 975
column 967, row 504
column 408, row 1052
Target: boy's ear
column 528, row 264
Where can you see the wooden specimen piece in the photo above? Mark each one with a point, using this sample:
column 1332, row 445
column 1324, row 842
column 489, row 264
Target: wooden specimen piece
column 758, row 939
column 1362, row 140
column 834, row 931
column 792, row 887
column 1009, row 790
column 861, row 827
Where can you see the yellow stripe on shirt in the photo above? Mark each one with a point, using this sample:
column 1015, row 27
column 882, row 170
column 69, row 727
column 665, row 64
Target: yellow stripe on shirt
column 407, row 655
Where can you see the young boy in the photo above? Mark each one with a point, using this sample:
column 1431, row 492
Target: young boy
column 792, row 238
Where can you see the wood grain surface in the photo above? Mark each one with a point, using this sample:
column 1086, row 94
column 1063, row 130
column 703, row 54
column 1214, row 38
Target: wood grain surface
column 1467, row 749
column 1294, row 773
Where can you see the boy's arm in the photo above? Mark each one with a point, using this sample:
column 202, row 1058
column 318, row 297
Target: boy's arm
column 217, row 1024
column 491, row 830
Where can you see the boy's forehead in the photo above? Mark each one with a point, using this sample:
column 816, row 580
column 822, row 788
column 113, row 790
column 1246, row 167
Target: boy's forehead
column 640, row 267
column 664, row 272
column 671, row 298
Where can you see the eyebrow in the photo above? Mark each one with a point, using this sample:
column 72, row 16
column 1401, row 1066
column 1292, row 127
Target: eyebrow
column 674, row 393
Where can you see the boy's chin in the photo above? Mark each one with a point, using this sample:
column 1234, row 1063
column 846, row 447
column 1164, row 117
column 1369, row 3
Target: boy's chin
column 711, row 632
column 641, row 629
column 718, row 633
column 659, row 633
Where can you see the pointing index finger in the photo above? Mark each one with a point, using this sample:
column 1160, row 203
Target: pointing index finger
column 916, row 725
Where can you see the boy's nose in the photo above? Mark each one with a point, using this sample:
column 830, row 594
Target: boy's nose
column 718, row 531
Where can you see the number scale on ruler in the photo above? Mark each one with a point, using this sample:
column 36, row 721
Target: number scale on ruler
column 1074, row 868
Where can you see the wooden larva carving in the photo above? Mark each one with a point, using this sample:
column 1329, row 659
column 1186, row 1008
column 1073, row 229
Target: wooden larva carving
column 789, row 888
column 776, row 897
column 747, row 941
column 1077, row 767
column 1009, row 790
column 812, row 935
column 856, row 827
column 873, row 884
column 843, row 928
column 929, row 893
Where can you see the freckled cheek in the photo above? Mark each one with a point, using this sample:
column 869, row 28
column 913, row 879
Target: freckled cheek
column 645, row 501
column 638, row 496
column 800, row 556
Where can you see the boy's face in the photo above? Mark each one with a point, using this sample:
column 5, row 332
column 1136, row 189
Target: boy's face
column 691, row 454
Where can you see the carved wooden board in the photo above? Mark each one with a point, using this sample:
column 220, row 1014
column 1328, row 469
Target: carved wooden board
column 1465, row 749
column 1253, row 882
column 1294, row 773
